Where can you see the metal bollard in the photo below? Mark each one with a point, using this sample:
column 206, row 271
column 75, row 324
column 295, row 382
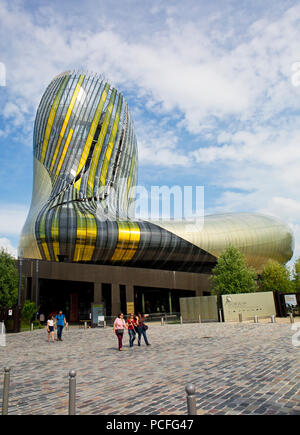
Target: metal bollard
column 191, row 399
column 220, row 316
column 272, row 318
column 31, row 326
column 181, row 321
column 291, row 318
column 199, row 318
column 85, row 325
column 72, row 392
column 255, row 319
column 5, row 391
column 162, row 321
column 240, row 317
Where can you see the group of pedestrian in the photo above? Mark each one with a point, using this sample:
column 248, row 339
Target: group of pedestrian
column 135, row 325
column 56, row 322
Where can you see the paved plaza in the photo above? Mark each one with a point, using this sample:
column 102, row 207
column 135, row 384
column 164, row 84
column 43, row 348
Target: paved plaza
column 237, row 369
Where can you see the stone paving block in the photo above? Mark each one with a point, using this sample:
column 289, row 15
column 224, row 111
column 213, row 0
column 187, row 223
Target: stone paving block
column 239, row 369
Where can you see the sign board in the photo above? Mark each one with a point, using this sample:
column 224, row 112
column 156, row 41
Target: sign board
column 259, row 304
column 205, row 306
column 290, row 300
column 10, row 312
column 97, row 310
column 101, row 321
column 130, row 307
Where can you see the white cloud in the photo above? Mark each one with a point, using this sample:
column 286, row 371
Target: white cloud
column 7, row 246
column 224, row 78
column 182, row 67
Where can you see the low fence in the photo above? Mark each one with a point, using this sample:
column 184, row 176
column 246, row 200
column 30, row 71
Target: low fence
column 151, row 318
column 189, row 389
column 176, row 318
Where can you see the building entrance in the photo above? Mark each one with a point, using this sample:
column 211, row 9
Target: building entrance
column 73, row 297
column 159, row 300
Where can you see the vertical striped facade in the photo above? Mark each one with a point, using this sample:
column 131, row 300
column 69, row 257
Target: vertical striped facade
column 85, row 166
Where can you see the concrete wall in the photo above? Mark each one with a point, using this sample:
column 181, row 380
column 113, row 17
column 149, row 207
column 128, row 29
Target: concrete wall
column 259, row 304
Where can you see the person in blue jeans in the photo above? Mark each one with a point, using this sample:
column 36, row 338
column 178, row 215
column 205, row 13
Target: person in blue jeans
column 141, row 328
column 131, row 324
column 60, row 322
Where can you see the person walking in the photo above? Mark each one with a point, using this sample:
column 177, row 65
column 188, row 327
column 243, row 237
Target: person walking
column 119, row 326
column 142, row 328
column 50, row 328
column 60, row 322
column 131, row 324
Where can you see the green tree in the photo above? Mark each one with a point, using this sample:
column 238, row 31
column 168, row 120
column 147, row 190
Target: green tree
column 296, row 275
column 276, row 277
column 9, row 279
column 28, row 311
column 232, row 275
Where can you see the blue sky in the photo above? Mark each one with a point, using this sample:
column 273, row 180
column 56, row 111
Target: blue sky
column 209, row 85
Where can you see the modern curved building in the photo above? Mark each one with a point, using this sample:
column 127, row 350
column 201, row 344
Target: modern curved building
column 85, row 165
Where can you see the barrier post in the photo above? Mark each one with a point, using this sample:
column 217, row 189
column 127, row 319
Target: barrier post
column 5, row 390
column 191, row 399
column 72, row 392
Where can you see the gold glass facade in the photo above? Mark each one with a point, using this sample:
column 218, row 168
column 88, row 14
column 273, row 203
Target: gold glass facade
column 85, row 164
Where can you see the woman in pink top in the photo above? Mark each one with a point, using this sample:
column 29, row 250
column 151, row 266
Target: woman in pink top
column 119, row 326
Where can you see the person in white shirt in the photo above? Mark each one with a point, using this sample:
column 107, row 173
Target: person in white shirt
column 50, row 327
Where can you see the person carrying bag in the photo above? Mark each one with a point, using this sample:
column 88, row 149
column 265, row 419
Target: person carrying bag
column 142, row 328
column 119, row 326
column 131, row 323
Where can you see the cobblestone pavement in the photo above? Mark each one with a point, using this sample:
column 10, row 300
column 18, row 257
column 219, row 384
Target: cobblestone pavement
column 236, row 368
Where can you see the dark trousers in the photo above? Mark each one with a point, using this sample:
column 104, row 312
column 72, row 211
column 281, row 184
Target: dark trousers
column 120, row 338
column 59, row 331
column 132, row 336
column 142, row 332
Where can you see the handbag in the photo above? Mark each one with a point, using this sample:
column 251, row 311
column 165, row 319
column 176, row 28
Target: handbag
column 120, row 331
column 145, row 327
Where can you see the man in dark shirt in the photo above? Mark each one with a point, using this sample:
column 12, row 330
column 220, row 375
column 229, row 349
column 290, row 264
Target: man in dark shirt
column 60, row 322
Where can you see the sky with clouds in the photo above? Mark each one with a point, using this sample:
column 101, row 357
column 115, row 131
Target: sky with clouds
column 209, row 84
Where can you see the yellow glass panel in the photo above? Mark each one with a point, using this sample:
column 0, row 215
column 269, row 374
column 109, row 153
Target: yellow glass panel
column 128, row 241
column 66, row 120
column 63, row 153
column 52, row 116
column 110, row 144
column 90, row 138
column 55, row 234
column 91, row 237
column 43, row 237
column 98, row 147
column 80, row 234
